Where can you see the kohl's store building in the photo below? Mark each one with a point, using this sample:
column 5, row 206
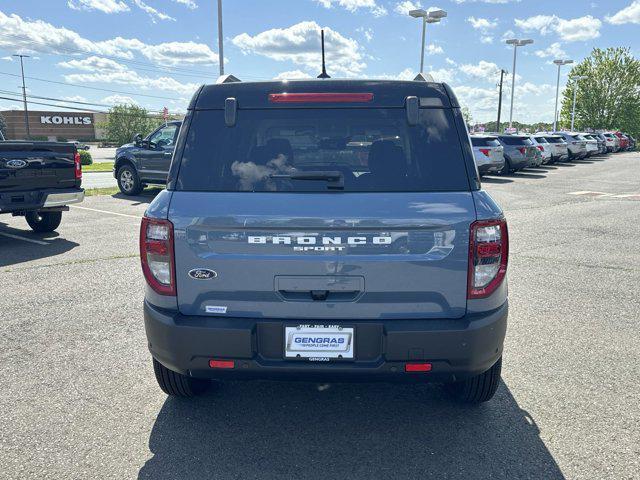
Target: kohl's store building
column 55, row 126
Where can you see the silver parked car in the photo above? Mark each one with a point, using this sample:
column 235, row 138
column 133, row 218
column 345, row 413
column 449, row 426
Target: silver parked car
column 576, row 144
column 488, row 154
column 557, row 145
column 613, row 142
column 519, row 152
column 543, row 146
column 592, row 144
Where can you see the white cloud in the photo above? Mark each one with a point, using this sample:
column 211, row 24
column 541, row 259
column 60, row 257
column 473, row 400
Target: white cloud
column 105, row 6
column 630, row 14
column 487, row 1
column 300, row 44
column 75, row 98
column 366, row 32
column 573, row 30
column 482, row 24
column 153, row 13
column 482, row 70
column 554, row 50
column 7, row 58
column 94, row 64
column 434, row 49
column 292, row 75
column 486, row 39
column 450, row 61
column 190, row 4
column 38, row 36
column 117, row 99
column 354, row 5
column 403, row 8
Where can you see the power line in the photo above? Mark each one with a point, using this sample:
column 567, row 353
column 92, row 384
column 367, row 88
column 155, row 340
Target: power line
column 8, row 92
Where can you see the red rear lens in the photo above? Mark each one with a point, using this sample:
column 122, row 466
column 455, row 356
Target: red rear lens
column 222, row 364
column 522, row 150
column 417, row 367
column 485, row 151
column 488, row 256
column 78, row 165
column 156, row 255
column 320, row 97
column 541, row 148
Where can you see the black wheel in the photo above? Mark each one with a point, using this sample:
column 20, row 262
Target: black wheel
column 129, row 181
column 480, row 388
column 43, row 221
column 507, row 169
column 178, row 385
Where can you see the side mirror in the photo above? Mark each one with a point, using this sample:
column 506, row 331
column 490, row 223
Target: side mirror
column 137, row 139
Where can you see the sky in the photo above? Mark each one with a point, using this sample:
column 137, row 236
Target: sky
column 155, row 53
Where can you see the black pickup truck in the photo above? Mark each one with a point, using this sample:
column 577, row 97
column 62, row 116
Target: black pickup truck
column 38, row 180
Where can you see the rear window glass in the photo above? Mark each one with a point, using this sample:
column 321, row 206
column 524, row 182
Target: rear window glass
column 372, row 150
column 509, row 140
column 541, row 140
column 553, row 139
column 485, row 142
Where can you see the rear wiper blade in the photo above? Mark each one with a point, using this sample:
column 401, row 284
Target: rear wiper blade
column 334, row 179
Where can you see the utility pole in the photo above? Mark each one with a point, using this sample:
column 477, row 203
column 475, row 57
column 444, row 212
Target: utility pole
column 220, row 47
column 502, row 72
column 24, row 96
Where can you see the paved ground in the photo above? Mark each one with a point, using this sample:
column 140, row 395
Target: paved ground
column 78, row 397
column 98, row 180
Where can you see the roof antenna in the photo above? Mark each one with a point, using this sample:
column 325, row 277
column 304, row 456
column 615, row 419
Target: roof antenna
column 324, row 70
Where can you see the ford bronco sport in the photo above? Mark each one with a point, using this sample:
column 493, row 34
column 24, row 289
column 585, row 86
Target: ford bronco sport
column 325, row 230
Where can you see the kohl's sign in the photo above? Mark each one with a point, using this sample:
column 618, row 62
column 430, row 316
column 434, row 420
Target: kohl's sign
column 64, row 120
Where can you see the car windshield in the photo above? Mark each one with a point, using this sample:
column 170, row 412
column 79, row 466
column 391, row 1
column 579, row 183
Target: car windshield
column 512, row 140
column 485, row 142
column 314, row 150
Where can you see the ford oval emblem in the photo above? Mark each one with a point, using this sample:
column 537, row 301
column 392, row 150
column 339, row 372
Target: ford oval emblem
column 16, row 163
column 202, row 274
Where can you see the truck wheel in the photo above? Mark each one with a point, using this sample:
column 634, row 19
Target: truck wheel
column 480, row 388
column 178, row 385
column 43, row 221
column 128, row 180
column 507, row 168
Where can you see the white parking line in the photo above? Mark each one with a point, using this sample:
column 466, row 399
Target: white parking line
column 107, row 211
column 18, row 237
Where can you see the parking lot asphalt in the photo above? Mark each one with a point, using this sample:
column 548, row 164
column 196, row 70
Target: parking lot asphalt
column 79, row 399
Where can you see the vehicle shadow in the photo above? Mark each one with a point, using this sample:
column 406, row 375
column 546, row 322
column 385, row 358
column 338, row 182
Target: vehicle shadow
column 309, row 431
column 524, row 174
column 18, row 250
column 495, row 180
column 146, row 196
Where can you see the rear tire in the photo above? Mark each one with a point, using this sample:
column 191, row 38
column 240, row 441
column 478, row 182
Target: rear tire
column 43, row 222
column 129, row 181
column 178, row 385
column 506, row 169
column 480, row 388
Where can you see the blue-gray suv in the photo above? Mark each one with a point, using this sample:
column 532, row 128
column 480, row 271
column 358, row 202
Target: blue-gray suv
column 325, row 230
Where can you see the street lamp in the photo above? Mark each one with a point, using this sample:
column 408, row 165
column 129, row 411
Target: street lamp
column 559, row 63
column 575, row 90
column 433, row 16
column 516, row 43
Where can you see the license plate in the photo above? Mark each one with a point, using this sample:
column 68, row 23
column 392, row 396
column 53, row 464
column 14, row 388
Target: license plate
column 318, row 342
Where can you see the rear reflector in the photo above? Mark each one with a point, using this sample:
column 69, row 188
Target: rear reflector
column 78, row 166
column 320, row 97
column 417, row 367
column 222, row 363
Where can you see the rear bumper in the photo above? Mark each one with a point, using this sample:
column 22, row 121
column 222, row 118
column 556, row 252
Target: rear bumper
column 39, row 199
column 490, row 167
column 457, row 348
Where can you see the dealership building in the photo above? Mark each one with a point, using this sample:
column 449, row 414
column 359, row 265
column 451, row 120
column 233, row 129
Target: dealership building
column 55, row 126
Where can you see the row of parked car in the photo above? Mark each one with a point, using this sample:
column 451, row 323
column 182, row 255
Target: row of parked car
column 508, row 153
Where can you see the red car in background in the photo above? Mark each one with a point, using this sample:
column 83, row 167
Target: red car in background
column 624, row 141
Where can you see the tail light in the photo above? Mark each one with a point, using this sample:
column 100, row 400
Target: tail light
column 541, row 148
column 78, row 166
column 485, row 151
column 320, row 97
column 488, row 255
column 522, row 150
column 156, row 255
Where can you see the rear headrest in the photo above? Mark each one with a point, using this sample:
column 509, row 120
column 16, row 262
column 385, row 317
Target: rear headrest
column 386, row 158
column 280, row 145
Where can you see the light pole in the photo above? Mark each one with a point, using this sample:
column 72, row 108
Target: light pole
column 575, row 91
column 24, row 97
column 220, row 48
column 559, row 63
column 502, row 72
column 516, row 43
column 433, row 16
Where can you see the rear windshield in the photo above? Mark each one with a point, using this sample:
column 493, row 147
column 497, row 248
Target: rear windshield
column 485, row 142
column 541, row 140
column 371, row 150
column 577, row 137
column 509, row 140
column 554, row 139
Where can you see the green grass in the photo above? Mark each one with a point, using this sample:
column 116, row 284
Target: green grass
column 92, row 192
column 98, row 167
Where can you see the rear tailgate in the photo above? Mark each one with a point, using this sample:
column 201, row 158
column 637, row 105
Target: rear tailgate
column 374, row 255
column 28, row 166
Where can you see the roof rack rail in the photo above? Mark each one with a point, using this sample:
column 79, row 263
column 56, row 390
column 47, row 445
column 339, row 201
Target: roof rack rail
column 227, row 79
